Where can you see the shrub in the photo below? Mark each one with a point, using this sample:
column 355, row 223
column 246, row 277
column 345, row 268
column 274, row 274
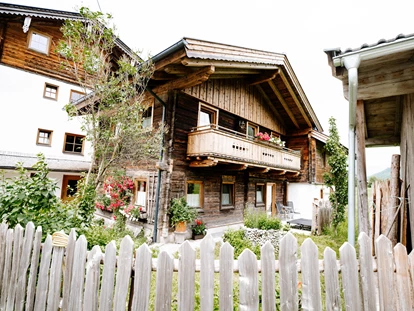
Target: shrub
column 260, row 220
column 237, row 239
column 180, row 211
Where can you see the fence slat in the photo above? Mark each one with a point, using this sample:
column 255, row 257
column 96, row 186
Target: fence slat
column 207, row 273
column 108, row 278
column 43, row 276
column 369, row 289
column 93, row 266
column 267, row 256
column 226, row 277
column 24, row 266
column 249, row 282
column 17, row 249
column 34, row 264
column 349, row 268
column 385, row 273
column 67, row 274
column 333, row 292
column 7, row 268
column 142, row 286
column 311, row 287
column 3, row 238
column 123, row 274
column 186, row 277
column 165, row 269
column 55, row 279
column 403, row 279
column 289, row 274
column 78, row 275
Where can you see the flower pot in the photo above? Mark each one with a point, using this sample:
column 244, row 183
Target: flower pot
column 198, row 236
column 181, row 227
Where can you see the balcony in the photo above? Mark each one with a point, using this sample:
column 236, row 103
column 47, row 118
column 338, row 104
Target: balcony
column 210, row 145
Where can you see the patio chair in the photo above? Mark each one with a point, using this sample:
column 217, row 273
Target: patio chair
column 281, row 210
column 291, row 208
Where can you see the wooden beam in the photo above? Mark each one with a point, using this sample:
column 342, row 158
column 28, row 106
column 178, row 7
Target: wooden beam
column 264, row 78
column 363, row 215
column 237, row 167
column 272, row 107
column 284, row 104
column 398, row 115
column 204, row 163
column 169, row 60
column 296, row 100
column 192, row 79
column 382, row 141
column 159, row 75
column 178, row 69
column 224, row 64
column 260, row 170
column 278, row 172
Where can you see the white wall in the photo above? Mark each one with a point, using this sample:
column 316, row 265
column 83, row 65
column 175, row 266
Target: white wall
column 302, row 195
column 24, row 110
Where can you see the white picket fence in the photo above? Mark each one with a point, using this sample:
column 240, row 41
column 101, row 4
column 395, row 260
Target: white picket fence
column 40, row 276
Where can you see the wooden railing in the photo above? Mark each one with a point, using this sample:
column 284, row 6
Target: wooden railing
column 224, row 144
column 44, row 276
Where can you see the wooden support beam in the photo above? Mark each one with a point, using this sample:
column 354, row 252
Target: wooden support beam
column 284, row 104
column 260, row 170
column 264, row 78
column 295, row 98
column 237, row 167
column 179, row 69
column 398, row 115
column 272, row 107
column 278, row 172
column 169, row 60
column 192, row 79
column 363, row 211
column 224, row 64
column 204, row 163
column 382, row 141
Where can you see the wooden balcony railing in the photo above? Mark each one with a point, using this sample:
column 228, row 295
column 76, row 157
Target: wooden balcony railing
column 222, row 145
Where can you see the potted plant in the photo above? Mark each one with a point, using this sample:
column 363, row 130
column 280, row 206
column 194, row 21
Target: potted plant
column 180, row 214
column 198, row 229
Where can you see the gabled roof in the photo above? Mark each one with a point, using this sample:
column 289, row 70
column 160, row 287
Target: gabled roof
column 43, row 13
column 193, row 61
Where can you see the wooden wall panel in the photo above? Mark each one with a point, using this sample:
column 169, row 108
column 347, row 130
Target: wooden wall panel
column 301, row 143
column 16, row 54
column 239, row 98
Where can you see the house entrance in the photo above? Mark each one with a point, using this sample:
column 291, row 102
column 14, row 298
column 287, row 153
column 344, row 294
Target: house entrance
column 271, row 199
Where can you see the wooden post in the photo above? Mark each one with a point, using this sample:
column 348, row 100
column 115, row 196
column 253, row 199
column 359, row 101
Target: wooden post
column 394, row 201
column 364, row 225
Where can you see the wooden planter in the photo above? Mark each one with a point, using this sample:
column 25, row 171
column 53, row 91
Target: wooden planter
column 198, row 236
column 181, row 227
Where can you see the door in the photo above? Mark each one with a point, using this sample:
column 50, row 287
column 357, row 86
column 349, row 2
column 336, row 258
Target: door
column 271, row 199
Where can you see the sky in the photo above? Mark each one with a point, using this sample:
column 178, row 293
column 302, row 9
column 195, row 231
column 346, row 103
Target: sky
column 302, row 29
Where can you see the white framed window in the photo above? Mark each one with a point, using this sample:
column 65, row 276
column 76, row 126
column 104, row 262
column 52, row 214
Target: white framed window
column 195, row 194
column 38, row 42
column 207, row 115
column 44, row 137
column 51, row 91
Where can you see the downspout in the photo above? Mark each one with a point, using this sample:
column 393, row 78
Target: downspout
column 158, row 190
column 352, row 63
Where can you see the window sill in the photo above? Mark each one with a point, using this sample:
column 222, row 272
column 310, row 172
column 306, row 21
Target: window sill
column 74, row 153
column 226, row 207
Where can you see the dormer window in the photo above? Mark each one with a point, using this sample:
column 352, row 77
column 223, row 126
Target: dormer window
column 39, row 42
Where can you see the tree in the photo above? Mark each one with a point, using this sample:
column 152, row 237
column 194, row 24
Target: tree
column 337, row 178
column 112, row 111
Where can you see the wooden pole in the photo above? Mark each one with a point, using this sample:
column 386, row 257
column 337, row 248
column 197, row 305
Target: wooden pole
column 364, row 225
column 394, row 201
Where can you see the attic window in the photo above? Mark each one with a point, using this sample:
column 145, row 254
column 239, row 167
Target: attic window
column 39, row 42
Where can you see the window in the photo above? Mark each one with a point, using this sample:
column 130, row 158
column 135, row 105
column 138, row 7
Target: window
column 75, row 95
column 44, row 137
column 147, row 118
column 69, row 186
column 140, row 193
column 73, row 143
column 252, row 129
column 39, row 42
column 195, row 194
column 51, row 91
column 227, row 195
column 260, row 194
column 207, row 115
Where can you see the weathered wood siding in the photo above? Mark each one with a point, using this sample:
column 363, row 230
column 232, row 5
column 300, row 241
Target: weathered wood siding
column 238, row 98
column 301, row 143
column 16, row 54
column 320, row 163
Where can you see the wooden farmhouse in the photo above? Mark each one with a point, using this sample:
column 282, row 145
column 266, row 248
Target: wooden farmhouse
column 34, row 89
column 378, row 81
column 215, row 99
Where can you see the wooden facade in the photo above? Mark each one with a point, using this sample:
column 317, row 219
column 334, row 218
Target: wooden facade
column 238, row 88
